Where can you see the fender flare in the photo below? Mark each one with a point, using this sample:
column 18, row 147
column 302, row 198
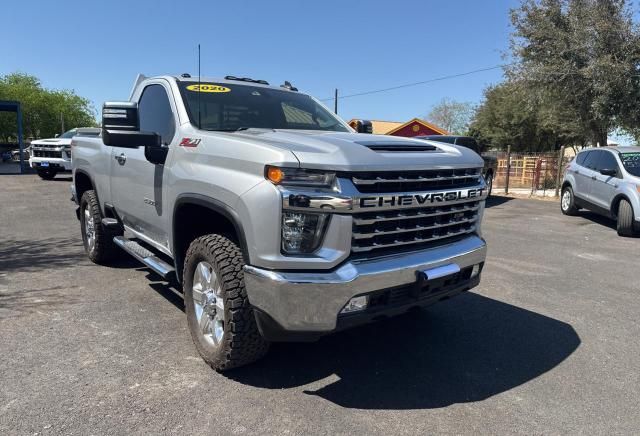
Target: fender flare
column 216, row 206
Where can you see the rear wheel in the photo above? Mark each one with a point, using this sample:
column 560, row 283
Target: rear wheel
column 98, row 242
column 47, row 174
column 626, row 225
column 568, row 202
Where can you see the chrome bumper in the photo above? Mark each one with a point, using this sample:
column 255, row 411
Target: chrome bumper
column 311, row 301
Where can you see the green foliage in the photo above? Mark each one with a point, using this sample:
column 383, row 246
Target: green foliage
column 584, row 57
column 41, row 108
column 575, row 77
column 453, row 116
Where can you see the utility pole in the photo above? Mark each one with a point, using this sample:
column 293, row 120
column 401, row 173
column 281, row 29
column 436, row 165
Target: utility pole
column 506, row 189
column 61, row 123
column 335, row 102
column 559, row 175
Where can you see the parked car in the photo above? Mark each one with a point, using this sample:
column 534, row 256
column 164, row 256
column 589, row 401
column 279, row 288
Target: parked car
column 606, row 181
column 52, row 156
column 26, row 153
column 490, row 162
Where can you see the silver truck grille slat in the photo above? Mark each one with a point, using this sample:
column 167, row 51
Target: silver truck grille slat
column 358, row 181
column 410, row 214
column 47, row 153
column 416, row 240
column 412, row 229
column 406, row 181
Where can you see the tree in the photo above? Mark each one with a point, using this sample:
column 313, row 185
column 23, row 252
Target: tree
column 583, row 57
column 451, row 115
column 41, row 108
column 528, row 120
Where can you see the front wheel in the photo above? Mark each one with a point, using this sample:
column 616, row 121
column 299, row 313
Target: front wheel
column 568, row 201
column 220, row 318
column 626, row 225
column 47, row 174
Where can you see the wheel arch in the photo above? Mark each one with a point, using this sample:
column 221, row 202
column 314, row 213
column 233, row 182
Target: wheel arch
column 195, row 215
column 82, row 182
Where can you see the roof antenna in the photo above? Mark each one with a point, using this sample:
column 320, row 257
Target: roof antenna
column 199, row 118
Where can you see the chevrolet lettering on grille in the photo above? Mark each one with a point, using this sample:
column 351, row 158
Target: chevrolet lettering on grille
column 420, row 199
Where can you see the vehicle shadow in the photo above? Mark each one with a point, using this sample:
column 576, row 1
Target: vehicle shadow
column 596, row 219
column 497, row 200
column 463, row 350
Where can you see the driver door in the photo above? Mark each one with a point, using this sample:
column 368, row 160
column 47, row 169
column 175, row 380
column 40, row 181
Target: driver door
column 136, row 183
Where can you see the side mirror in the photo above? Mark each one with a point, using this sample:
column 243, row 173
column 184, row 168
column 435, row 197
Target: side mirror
column 609, row 172
column 56, row 135
column 121, row 126
column 363, row 126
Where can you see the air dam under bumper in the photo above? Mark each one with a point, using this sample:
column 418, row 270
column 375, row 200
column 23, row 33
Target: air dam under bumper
column 310, row 301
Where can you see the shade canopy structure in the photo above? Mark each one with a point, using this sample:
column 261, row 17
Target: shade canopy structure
column 14, row 106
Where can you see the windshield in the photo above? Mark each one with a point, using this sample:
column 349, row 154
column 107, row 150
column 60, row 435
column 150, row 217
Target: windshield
column 631, row 162
column 236, row 107
column 68, row 134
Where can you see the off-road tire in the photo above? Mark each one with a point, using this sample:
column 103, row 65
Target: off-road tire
column 47, row 174
column 571, row 209
column 104, row 249
column 489, row 182
column 241, row 342
column 626, row 225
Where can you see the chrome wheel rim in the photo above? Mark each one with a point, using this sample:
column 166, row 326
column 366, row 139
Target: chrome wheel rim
column 489, row 183
column 566, row 200
column 208, row 303
column 89, row 229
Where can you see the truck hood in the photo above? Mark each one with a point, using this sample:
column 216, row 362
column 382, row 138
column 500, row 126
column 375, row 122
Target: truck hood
column 363, row 152
column 52, row 142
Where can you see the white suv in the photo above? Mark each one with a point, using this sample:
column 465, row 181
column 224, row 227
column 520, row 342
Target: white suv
column 606, row 181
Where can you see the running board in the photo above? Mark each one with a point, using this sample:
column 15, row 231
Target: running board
column 147, row 257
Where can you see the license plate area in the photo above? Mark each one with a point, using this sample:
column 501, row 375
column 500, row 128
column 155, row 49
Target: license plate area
column 44, row 164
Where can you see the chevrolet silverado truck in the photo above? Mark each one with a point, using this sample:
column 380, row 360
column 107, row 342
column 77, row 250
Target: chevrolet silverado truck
column 52, row 156
column 276, row 220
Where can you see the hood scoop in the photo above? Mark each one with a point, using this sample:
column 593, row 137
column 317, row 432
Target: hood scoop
column 398, row 147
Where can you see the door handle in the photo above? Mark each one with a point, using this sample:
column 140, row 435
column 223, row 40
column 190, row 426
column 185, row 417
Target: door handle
column 121, row 158
column 594, row 178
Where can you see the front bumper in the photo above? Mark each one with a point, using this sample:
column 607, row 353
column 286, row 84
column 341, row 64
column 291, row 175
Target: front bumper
column 55, row 163
column 311, row 301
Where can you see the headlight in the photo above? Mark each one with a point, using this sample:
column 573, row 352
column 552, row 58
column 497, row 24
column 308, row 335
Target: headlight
column 299, row 177
column 302, row 232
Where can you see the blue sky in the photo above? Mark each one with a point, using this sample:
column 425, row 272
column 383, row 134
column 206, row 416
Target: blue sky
column 97, row 48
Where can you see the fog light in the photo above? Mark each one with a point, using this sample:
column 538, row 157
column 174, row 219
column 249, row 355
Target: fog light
column 476, row 270
column 356, row 304
column 302, row 232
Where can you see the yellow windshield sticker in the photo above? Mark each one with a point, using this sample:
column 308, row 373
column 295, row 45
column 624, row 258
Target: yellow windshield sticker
column 204, row 87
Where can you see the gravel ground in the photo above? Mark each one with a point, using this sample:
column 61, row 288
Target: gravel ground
column 547, row 344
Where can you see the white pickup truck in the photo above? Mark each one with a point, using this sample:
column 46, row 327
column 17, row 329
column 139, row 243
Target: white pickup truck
column 52, row 156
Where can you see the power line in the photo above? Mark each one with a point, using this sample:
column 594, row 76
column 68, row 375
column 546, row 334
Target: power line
column 407, row 85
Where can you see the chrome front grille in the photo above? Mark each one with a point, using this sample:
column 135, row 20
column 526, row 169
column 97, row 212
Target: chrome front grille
column 47, row 153
column 408, row 181
column 413, row 228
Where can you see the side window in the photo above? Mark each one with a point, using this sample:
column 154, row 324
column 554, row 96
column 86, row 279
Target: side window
column 591, row 160
column 581, row 158
column 155, row 113
column 607, row 162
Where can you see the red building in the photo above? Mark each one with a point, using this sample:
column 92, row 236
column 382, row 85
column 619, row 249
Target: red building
column 414, row 127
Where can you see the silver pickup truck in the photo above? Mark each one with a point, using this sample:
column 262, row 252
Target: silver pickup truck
column 276, row 219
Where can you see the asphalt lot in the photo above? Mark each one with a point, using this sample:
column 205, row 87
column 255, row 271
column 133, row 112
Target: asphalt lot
column 548, row 344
